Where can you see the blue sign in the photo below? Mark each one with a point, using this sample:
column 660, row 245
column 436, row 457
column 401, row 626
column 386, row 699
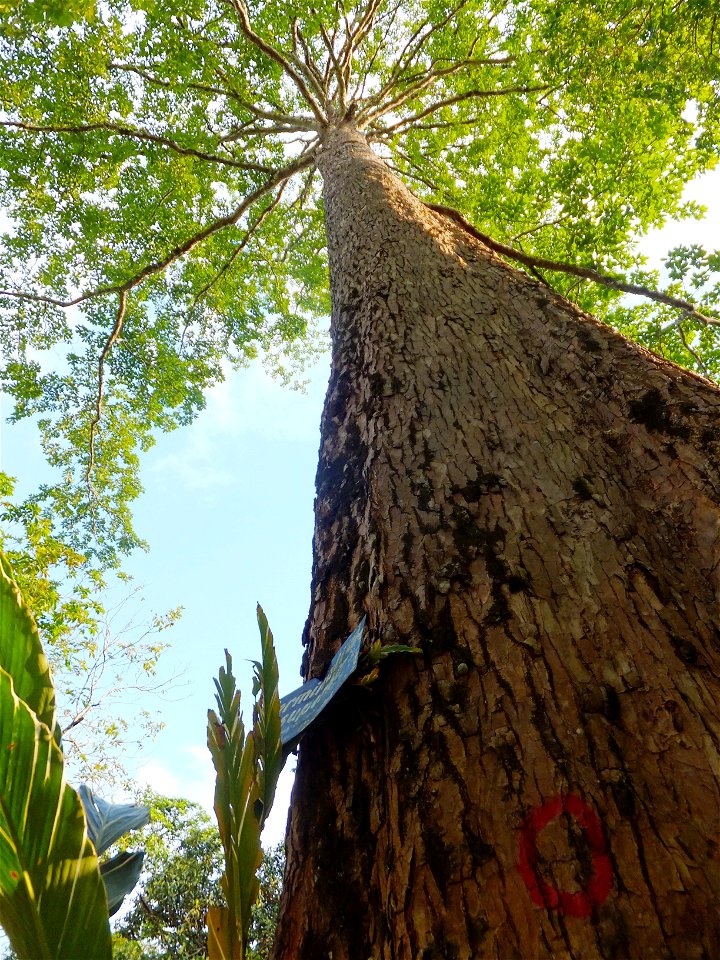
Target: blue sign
column 299, row 708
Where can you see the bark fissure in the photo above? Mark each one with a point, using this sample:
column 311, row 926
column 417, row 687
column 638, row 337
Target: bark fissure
column 533, row 500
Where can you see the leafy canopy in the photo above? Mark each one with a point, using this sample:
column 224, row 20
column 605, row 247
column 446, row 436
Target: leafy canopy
column 164, row 211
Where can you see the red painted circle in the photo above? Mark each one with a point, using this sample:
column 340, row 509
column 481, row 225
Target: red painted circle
column 581, row 903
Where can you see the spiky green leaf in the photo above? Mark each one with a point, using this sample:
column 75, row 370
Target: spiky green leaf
column 247, row 771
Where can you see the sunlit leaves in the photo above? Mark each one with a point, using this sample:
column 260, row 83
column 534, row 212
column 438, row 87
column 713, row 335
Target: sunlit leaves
column 52, row 902
column 563, row 128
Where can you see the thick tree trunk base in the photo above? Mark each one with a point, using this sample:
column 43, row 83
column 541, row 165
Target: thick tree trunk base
column 533, row 500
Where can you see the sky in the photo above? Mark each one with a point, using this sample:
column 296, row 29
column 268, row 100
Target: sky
column 228, row 513
column 228, row 510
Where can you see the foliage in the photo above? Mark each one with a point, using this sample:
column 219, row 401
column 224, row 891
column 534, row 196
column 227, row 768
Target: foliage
column 180, row 880
column 159, row 176
column 661, row 329
column 106, row 823
column 52, row 900
column 369, row 663
column 247, row 771
column 100, row 658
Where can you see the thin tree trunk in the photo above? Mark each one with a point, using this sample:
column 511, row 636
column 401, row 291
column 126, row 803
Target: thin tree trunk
column 533, row 500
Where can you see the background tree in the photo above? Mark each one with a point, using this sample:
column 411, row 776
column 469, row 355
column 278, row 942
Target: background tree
column 501, row 478
column 181, row 879
column 104, row 663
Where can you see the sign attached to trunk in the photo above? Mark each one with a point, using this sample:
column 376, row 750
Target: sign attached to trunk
column 299, row 708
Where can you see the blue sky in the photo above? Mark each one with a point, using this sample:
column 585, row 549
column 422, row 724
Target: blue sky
column 227, row 511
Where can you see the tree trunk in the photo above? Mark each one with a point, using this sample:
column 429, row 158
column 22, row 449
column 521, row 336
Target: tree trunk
column 533, row 500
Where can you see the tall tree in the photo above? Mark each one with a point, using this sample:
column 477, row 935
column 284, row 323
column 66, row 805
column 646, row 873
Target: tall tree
column 503, row 480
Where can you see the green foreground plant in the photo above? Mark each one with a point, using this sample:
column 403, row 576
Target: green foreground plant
column 181, row 880
column 54, row 897
column 247, row 770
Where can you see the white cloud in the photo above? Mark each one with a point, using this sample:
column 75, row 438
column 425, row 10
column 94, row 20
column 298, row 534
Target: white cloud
column 157, row 777
column 248, row 403
column 194, row 779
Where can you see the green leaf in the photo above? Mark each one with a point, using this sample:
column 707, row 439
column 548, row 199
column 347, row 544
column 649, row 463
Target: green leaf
column 52, row 899
column 137, row 149
column 21, row 653
column 107, row 822
column 60, row 13
column 267, row 715
column 120, row 874
column 247, row 771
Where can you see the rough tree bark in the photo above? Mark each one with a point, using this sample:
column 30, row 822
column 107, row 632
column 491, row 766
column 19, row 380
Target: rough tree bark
column 533, row 500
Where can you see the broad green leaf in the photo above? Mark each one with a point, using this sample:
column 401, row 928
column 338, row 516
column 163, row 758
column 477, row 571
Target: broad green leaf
column 218, row 926
column 52, row 900
column 107, row 822
column 21, row 653
column 120, row 874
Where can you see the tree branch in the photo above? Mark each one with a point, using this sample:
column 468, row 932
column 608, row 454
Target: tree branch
column 539, row 226
column 252, row 229
column 429, row 77
column 94, row 423
column 248, row 131
column 354, row 37
column 282, row 61
column 307, row 123
column 376, row 106
column 409, row 52
column 309, row 67
column 585, row 272
column 159, row 266
column 459, row 98
column 696, row 358
column 337, row 69
column 370, row 63
column 134, row 134
column 167, row 84
column 418, row 172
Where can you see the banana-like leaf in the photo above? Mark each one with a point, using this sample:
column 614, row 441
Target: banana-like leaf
column 107, row 822
column 52, row 899
column 21, row 653
column 120, row 874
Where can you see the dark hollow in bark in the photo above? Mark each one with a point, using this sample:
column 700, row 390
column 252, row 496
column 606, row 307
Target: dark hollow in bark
column 533, row 500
